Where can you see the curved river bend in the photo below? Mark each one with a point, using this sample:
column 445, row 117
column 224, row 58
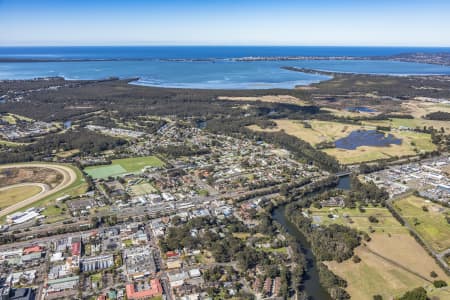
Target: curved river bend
column 311, row 283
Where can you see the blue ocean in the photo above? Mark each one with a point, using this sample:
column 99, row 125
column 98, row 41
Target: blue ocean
column 211, row 67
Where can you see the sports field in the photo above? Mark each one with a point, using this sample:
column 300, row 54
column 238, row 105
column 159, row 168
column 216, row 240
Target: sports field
column 137, row 163
column 431, row 223
column 105, row 171
column 122, row 166
column 142, row 189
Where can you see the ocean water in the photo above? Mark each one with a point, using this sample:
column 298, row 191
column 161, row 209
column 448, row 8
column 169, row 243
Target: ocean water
column 205, row 67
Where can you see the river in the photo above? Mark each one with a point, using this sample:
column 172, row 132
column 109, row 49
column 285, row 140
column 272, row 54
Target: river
column 311, row 283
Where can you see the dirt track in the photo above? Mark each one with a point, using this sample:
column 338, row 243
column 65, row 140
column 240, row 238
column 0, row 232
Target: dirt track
column 69, row 177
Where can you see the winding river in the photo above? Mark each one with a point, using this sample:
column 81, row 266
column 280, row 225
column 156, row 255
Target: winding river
column 311, row 283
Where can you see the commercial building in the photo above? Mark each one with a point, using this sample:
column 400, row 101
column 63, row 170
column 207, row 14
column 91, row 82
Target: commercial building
column 154, row 290
column 96, row 263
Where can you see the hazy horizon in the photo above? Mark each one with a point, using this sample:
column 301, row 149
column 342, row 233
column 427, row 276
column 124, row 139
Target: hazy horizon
column 225, row 23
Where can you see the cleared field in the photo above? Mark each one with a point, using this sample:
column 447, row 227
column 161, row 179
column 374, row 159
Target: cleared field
column 347, row 113
column 357, row 219
column 12, row 118
column 431, row 224
column 420, row 108
column 122, row 166
column 142, row 189
column 410, row 123
column 320, row 131
column 390, row 265
column 15, row 194
column 69, row 153
column 268, row 98
column 324, row 131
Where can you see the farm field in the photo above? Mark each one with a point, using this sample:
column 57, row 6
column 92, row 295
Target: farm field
column 431, row 225
column 390, row 265
column 15, row 194
column 357, row 219
column 421, row 108
column 347, row 113
column 122, row 166
column 410, row 123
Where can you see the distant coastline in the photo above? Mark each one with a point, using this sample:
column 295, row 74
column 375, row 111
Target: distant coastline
column 442, row 58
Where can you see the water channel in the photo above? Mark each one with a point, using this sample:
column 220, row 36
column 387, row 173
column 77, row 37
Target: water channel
column 311, row 283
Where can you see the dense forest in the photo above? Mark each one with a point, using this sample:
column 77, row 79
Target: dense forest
column 88, row 142
column 439, row 116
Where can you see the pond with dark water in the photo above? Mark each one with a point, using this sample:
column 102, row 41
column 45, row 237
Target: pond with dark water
column 373, row 138
column 360, row 109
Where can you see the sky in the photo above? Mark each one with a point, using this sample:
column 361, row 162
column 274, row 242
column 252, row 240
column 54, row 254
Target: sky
column 225, row 22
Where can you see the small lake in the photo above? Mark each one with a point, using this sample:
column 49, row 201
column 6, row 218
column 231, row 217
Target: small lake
column 344, row 182
column 67, row 124
column 360, row 109
column 373, row 138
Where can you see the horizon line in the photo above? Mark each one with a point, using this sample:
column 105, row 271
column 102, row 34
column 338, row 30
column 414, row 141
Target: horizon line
column 221, row 45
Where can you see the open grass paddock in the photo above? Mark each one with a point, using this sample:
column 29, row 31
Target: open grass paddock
column 123, row 166
column 431, row 225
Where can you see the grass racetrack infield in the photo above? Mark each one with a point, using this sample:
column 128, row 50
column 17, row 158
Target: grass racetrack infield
column 73, row 184
column 122, row 166
column 16, row 193
column 431, row 225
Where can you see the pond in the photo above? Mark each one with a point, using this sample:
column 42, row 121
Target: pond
column 360, row 138
column 67, row 124
column 344, row 182
column 360, row 109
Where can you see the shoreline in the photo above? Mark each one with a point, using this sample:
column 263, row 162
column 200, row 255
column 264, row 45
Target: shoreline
column 441, row 59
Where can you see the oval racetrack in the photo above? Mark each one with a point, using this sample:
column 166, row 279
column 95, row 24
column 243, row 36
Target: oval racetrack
column 69, row 177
